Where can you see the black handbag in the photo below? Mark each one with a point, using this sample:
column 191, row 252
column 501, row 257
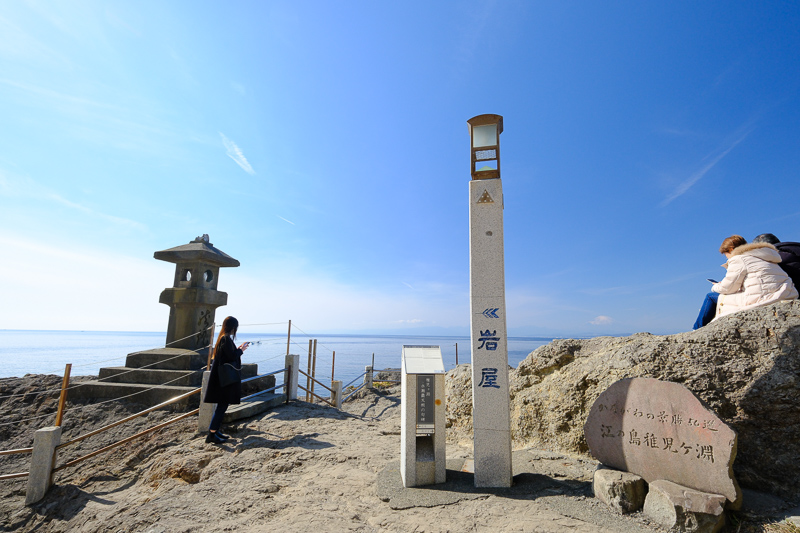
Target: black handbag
column 229, row 374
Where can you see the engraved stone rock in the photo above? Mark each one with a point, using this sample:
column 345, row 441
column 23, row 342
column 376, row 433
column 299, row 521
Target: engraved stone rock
column 681, row 509
column 622, row 491
column 661, row 430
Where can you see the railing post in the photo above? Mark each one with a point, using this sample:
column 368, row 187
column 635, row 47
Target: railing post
column 336, row 395
column 368, row 377
column 291, row 375
column 62, row 400
column 45, row 441
column 313, row 372
column 308, row 371
column 206, row 409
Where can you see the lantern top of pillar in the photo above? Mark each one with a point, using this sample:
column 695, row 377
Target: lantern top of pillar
column 198, row 250
column 485, row 120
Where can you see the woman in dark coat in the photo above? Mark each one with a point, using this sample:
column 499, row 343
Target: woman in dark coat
column 225, row 351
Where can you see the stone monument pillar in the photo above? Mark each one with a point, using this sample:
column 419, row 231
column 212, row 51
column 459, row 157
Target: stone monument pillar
column 491, row 416
column 193, row 298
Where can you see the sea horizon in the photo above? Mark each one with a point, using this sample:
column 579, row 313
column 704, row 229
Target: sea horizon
column 28, row 351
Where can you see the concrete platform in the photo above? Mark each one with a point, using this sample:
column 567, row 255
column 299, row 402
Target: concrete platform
column 254, row 406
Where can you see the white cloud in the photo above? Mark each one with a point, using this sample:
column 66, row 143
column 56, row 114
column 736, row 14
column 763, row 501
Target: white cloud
column 694, row 178
column 286, row 220
column 69, row 287
column 601, row 320
column 236, row 154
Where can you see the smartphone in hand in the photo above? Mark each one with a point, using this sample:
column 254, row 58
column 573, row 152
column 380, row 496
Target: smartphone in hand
column 712, row 280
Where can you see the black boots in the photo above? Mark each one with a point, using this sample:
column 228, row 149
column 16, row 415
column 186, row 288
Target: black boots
column 214, row 437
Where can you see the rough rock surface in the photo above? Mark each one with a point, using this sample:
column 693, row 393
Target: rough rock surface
column 681, row 509
column 299, row 467
column 622, row 491
column 745, row 366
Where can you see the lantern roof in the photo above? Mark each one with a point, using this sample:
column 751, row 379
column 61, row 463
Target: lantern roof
column 486, row 120
column 198, row 250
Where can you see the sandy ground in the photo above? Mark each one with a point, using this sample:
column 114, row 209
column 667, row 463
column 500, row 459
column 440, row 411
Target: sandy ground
column 300, row 467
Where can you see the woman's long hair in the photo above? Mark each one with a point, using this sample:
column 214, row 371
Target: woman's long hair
column 229, row 327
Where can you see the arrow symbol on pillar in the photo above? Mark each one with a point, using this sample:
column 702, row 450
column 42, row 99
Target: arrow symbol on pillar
column 491, row 313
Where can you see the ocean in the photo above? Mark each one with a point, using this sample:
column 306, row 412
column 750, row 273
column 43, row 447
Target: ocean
column 47, row 352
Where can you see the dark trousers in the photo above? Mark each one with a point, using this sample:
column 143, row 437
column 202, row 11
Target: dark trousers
column 707, row 311
column 219, row 414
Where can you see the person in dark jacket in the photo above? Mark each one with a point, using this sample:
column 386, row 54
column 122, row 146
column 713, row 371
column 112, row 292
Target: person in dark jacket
column 790, row 256
column 225, row 351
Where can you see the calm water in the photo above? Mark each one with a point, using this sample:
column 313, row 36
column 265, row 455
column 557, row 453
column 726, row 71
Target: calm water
column 47, row 352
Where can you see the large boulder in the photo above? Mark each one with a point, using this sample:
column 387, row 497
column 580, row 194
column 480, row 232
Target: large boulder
column 745, row 366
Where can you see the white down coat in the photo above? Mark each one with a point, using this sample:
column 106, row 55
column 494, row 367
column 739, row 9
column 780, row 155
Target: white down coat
column 753, row 279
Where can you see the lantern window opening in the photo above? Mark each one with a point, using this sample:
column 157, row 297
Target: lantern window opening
column 483, row 166
column 484, row 136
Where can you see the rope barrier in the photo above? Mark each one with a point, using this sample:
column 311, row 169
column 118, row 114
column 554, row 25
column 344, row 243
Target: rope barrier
column 127, row 419
column 353, row 392
column 86, row 406
column 27, row 419
column 359, row 377
column 128, row 439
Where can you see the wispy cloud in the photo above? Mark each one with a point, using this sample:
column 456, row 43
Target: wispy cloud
column 97, row 214
column 23, row 187
column 712, row 162
column 286, row 220
column 601, row 320
column 236, row 154
column 408, row 285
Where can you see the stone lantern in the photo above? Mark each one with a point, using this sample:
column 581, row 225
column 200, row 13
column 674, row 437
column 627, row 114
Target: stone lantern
column 193, row 298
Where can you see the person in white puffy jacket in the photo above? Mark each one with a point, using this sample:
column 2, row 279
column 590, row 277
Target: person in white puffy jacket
column 753, row 279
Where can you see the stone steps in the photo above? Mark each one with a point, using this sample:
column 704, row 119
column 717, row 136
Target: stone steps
column 168, row 359
column 152, row 376
column 178, row 378
column 142, row 393
column 147, row 387
column 254, row 406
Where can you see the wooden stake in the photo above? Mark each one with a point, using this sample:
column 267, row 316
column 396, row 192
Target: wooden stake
column 308, row 372
column 333, row 363
column 314, row 370
column 63, row 399
column 456, row 354
column 288, row 337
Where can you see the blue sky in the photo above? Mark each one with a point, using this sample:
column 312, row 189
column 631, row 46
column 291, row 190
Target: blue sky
column 325, row 146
